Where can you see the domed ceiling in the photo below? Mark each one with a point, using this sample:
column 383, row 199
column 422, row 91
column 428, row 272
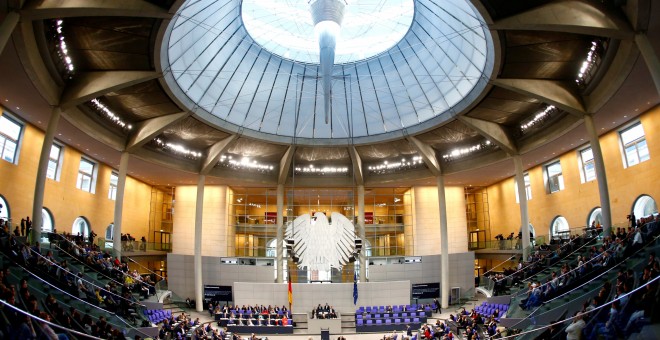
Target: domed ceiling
column 237, row 89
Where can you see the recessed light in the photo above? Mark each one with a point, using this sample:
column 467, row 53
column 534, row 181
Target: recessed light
column 625, row 116
column 6, row 100
column 18, row 108
column 59, row 134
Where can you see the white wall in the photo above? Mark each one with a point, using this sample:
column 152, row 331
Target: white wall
column 214, row 221
column 427, row 220
column 308, row 295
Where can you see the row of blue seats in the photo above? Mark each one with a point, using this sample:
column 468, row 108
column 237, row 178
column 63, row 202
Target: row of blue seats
column 378, row 322
column 395, row 308
column 394, row 315
column 157, row 315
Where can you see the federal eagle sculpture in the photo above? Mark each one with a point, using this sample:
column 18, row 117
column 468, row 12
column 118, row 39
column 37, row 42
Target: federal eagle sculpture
column 320, row 245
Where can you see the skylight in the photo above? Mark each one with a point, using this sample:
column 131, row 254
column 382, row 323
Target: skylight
column 285, row 28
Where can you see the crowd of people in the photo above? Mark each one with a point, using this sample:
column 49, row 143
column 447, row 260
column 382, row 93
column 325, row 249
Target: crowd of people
column 325, row 312
column 258, row 315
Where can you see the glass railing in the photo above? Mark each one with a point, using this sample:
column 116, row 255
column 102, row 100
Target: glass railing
column 134, row 246
column 515, row 244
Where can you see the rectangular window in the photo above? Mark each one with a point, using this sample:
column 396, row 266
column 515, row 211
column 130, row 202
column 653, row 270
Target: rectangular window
column 112, row 193
column 528, row 188
column 555, row 177
column 53, row 171
column 588, row 166
column 634, row 145
column 85, row 175
column 10, row 132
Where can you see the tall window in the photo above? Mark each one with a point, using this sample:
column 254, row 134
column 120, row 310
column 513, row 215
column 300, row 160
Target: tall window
column 53, row 171
column 85, row 175
column 10, row 132
column 559, row 227
column 112, row 193
column 588, row 166
column 555, row 177
column 528, row 188
column 634, row 145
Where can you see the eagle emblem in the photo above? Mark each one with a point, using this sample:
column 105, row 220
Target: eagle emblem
column 321, row 245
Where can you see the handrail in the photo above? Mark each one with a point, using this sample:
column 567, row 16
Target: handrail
column 501, row 263
column 578, row 267
column 607, row 304
column 77, row 333
column 533, row 263
column 149, row 270
column 609, row 269
column 86, row 281
column 96, row 270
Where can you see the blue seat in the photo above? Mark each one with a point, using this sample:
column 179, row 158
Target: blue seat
column 415, row 320
column 360, row 322
column 406, row 320
column 370, row 322
column 397, row 321
column 379, row 322
column 388, row 321
column 404, row 314
column 368, row 309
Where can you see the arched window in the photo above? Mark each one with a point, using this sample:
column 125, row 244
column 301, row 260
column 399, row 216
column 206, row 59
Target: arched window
column 644, row 206
column 4, row 210
column 595, row 217
column 81, row 225
column 559, row 227
column 47, row 221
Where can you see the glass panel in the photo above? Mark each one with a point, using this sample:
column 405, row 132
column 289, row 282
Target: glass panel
column 55, row 152
column 643, row 150
column 10, row 128
column 631, row 155
column 86, row 167
column 554, row 169
column 633, row 133
column 589, row 171
column 52, row 169
column 587, row 155
column 9, row 151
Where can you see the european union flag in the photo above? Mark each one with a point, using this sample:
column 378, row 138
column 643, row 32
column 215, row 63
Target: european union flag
column 355, row 291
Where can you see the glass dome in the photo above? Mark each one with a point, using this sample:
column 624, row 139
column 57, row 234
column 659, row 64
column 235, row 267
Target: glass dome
column 429, row 60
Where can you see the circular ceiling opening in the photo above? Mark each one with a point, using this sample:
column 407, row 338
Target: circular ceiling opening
column 368, row 28
column 391, row 67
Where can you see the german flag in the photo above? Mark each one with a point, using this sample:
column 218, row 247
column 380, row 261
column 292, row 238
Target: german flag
column 290, row 292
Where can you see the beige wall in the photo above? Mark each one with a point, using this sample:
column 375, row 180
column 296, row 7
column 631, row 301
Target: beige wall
column 427, row 220
column 578, row 199
column 63, row 199
column 214, row 221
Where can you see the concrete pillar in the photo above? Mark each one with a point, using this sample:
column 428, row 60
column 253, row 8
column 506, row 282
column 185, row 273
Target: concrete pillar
column 522, row 197
column 197, row 261
column 650, row 57
column 362, row 234
column 279, row 249
column 444, row 243
column 601, row 176
column 119, row 203
column 42, row 170
column 7, row 28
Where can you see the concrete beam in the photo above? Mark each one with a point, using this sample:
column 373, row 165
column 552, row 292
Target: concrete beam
column 150, row 128
column 213, row 154
column 427, row 153
column 285, row 164
column 581, row 17
column 51, row 9
column 93, row 128
column 28, row 52
column 557, row 93
column 549, row 134
column 493, row 131
column 357, row 165
column 89, row 85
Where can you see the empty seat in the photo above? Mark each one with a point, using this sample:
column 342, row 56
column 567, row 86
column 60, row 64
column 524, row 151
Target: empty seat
column 388, row 321
column 360, row 322
column 415, row 320
column 406, row 320
column 370, row 322
column 404, row 314
column 397, row 321
column 379, row 322
column 359, row 316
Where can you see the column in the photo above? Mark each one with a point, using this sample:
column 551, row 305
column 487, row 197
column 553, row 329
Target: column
column 601, row 177
column 651, row 59
column 197, row 262
column 522, row 197
column 444, row 243
column 42, row 170
column 280, row 233
column 7, row 28
column 119, row 204
column 362, row 233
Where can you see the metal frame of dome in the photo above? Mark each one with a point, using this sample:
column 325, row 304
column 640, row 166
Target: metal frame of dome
column 412, row 107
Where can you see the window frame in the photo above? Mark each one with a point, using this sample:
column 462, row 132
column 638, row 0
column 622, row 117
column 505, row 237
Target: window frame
column 58, row 162
column 634, row 143
column 3, row 137
column 112, row 190
column 92, row 176
column 584, row 164
column 528, row 187
column 548, row 178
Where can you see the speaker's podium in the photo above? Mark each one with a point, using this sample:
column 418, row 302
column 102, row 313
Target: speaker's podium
column 329, row 325
column 325, row 334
